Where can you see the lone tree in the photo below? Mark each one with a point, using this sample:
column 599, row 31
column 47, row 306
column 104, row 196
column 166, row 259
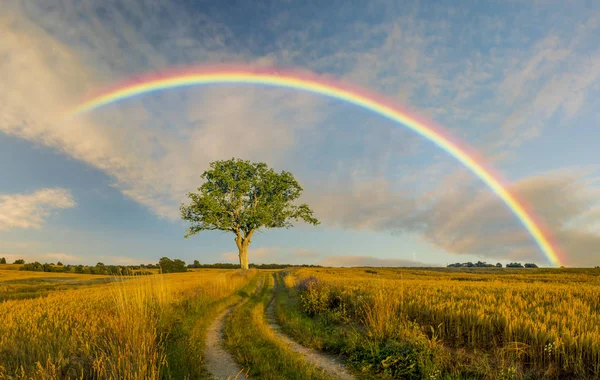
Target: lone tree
column 243, row 197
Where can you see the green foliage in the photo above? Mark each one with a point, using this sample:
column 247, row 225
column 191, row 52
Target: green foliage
column 254, row 346
column 530, row 265
column 239, row 196
column 19, row 261
column 514, row 265
column 171, row 266
column 391, row 358
column 314, row 296
column 407, row 355
column 38, row 267
column 479, row 264
column 3, row 261
column 100, row 268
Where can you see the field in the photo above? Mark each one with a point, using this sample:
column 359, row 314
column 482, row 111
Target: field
column 381, row 323
column 451, row 323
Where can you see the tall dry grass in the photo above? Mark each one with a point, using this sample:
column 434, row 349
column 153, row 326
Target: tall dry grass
column 111, row 331
column 542, row 321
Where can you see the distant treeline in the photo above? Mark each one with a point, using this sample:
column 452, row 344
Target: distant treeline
column 483, row 264
column 197, row 264
column 165, row 265
column 99, row 268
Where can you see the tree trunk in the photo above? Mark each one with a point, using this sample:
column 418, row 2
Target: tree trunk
column 243, row 243
column 243, row 248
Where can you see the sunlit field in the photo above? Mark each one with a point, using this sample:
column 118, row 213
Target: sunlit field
column 450, row 323
column 118, row 328
column 382, row 323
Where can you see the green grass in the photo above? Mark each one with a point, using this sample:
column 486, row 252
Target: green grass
column 324, row 335
column 314, row 333
column 250, row 340
column 187, row 333
column 369, row 357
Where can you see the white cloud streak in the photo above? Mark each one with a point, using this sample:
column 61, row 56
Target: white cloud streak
column 369, row 261
column 155, row 149
column 32, row 210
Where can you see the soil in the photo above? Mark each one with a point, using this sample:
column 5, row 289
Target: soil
column 219, row 362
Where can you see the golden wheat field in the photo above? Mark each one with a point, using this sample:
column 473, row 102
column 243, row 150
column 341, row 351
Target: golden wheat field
column 384, row 323
column 542, row 322
column 104, row 330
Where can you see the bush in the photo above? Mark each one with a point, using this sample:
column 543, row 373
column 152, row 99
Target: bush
column 391, row 358
column 142, row 273
column 514, row 265
column 313, row 296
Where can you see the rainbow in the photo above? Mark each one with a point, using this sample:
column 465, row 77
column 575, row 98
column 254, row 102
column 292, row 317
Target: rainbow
column 322, row 86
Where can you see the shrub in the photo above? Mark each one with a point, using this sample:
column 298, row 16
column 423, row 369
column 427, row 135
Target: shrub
column 392, row 358
column 313, row 296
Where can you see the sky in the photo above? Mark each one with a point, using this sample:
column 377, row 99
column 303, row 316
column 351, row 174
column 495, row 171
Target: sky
column 518, row 82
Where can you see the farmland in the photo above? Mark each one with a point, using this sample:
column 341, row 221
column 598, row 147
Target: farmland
column 382, row 323
column 456, row 323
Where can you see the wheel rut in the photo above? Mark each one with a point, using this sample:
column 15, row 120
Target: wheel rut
column 219, row 362
column 331, row 364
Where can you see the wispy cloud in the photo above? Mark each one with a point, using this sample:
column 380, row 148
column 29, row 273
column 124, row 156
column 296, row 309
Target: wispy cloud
column 41, row 257
column 369, row 261
column 536, row 88
column 132, row 145
column 473, row 221
column 32, row 210
column 498, row 98
column 258, row 255
column 306, row 254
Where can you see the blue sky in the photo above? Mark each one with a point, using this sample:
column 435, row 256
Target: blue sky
column 519, row 82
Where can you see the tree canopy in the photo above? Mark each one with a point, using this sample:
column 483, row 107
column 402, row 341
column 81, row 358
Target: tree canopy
column 171, row 266
column 243, row 197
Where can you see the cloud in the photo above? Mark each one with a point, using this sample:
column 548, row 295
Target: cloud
column 368, row 261
column 480, row 223
column 124, row 260
column 133, row 144
column 536, row 88
column 262, row 255
column 463, row 220
column 303, row 253
column 61, row 256
column 32, row 210
column 41, row 257
column 155, row 148
column 66, row 258
column 281, row 255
